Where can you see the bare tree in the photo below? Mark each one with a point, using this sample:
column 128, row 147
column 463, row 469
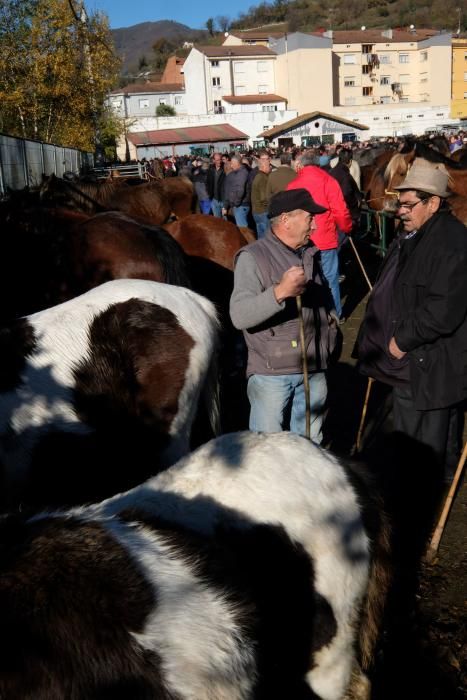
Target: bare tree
column 223, row 23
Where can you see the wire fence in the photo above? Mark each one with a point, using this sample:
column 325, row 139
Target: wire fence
column 23, row 162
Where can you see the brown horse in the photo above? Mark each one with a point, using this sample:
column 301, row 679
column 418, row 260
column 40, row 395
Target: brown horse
column 146, row 202
column 209, row 237
column 180, row 194
column 51, row 255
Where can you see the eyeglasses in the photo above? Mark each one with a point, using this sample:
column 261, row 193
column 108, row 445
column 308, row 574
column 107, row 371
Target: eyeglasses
column 408, row 205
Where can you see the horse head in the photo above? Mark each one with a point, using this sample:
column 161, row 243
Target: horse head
column 395, row 172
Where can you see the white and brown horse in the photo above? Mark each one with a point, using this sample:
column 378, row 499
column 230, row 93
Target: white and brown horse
column 100, row 392
column 248, row 570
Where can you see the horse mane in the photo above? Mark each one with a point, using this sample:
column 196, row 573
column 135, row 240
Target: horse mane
column 170, row 255
column 396, row 166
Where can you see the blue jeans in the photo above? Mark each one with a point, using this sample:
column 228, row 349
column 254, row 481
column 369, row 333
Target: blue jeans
column 205, row 206
column 241, row 214
column 216, row 207
column 262, row 224
column 330, row 267
column 278, row 403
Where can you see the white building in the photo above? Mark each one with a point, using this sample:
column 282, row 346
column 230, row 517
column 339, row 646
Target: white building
column 141, row 100
column 214, row 72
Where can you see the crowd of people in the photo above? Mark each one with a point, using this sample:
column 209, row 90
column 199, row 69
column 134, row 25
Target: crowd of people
column 303, row 204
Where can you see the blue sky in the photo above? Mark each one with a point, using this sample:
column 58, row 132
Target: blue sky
column 194, row 13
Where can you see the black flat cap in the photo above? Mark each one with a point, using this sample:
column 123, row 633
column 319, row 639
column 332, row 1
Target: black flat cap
column 291, row 200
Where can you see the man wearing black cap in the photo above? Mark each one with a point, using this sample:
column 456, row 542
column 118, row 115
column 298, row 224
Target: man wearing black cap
column 269, row 275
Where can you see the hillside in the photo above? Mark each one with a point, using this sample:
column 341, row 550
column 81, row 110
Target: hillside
column 133, row 43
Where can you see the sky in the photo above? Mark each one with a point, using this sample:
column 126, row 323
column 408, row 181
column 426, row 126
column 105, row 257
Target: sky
column 193, row 13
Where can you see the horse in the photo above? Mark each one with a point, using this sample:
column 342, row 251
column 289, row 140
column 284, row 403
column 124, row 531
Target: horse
column 209, row 237
column 256, row 567
column 100, row 392
column 146, row 202
column 180, row 194
column 51, row 255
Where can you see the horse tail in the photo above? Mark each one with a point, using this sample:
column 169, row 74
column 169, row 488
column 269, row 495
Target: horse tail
column 397, row 165
column 170, row 256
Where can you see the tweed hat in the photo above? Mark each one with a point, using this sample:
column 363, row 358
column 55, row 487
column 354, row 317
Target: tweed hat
column 427, row 177
column 290, row 200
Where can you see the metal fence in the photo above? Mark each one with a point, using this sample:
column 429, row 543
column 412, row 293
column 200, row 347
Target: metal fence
column 23, row 162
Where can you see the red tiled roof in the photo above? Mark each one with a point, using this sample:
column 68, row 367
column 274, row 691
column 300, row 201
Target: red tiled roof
column 137, row 88
column 242, row 50
column 252, row 99
column 187, row 134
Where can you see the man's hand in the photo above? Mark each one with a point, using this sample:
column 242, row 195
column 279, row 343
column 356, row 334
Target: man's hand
column 292, row 284
column 394, row 349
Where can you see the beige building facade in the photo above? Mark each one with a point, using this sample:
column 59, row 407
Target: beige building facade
column 377, row 67
column 459, row 78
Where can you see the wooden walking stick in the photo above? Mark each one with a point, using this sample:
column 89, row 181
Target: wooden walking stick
column 438, row 533
column 359, row 260
column 306, row 382
column 357, row 445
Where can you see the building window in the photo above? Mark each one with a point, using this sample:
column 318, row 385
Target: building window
column 385, row 80
column 403, row 99
column 269, row 108
column 214, row 64
column 143, row 104
column 424, row 56
column 366, row 69
column 349, row 82
column 178, row 100
column 387, row 118
column 385, row 99
column 423, row 77
column 375, row 119
column 409, row 116
column 262, row 89
column 261, row 66
column 240, row 90
column 367, row 91
column 218, row 108
column 465, row 76
column 403, row 58
column 116, row 104
column 385, row 58
column 216, row 82
column 465, row 95
column 367, row 48
column 350, row 101
column 162, row 100
column 239, row 67
column 404, row 78
column 265, row 128
column 349, row 58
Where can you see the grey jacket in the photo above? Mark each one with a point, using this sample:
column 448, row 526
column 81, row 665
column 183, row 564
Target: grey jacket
column 271, row 329
column 235, row 188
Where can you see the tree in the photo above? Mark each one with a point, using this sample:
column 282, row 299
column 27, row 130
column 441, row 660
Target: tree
column 56, row 67
column 210, row 26
column 223, row 23
column 165, row 111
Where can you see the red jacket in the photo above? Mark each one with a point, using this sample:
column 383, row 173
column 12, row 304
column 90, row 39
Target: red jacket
column 326, row 191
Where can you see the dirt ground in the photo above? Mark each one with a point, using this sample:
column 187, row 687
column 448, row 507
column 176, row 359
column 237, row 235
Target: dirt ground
column 424, row 650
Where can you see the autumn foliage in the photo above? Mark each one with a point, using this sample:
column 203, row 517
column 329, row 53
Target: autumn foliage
column 56, row 66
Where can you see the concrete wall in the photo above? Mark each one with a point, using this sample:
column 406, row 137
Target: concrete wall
column 132, row 105
column 304, row 72
column 195, row 83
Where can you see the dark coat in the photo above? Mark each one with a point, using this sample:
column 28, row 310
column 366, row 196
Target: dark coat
column 430, row 303
column 211, row 182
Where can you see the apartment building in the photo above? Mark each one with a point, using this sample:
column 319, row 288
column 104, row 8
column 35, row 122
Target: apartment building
column 375, row 67
column 212, row 72
column 459, row 78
